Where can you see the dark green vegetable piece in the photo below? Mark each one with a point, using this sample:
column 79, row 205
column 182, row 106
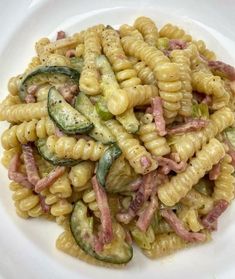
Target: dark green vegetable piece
column 67, row 118
column 106, row 161
column 51, row 74
column 51, row 157
column 82, row 228
column 102, row 110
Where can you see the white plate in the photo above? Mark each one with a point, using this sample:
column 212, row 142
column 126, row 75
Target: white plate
column 28, row 247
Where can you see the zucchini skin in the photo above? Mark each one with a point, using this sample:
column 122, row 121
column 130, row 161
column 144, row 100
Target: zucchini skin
column 69, row 120
column 106, row 161
column 62, row 70
column 82, row 230
column 52, row 158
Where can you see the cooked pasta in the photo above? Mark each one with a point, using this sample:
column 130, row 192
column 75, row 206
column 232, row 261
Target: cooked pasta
column 224, row 184
column 171, row 192
column 27, row 132
column 69, row 147
column 121, row 136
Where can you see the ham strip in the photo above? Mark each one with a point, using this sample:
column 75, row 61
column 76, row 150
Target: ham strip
column 16, row 176
column 49, row 179
column 207, row 100
column 215, row 172
column 177, row 44
column 45, row 207
column 209, row 220
column 224, row 68
column 58, row 132
column 60, row 35
column 146, row 216
column 68, row 91
column 30, row 164
column 231, row 151
column 145, row 190
column 30, row 97
column 191, row 125
column 160, row 123
column 145, row 162
column 134, row 186
column 106, row 235
column 178, row 227
column 170, row 165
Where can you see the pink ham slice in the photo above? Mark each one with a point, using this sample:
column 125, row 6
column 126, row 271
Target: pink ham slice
column 60, row 35
column 68, row 91
column 106, row 234
column 145, row 190
column 178, row 227
column 177, row 44
column 49, row 179
column 170, row 165
column 215, row 172
column 31, row 91
column 226, row 69
column 191, row 125
column 160, row 123
column 30, row 164
column 209, row 220
column 45, row 207
column 15, row 175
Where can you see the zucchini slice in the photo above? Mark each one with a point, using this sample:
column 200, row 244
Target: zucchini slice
column 77, row 63
column 67, row 118
column 82, row 227
column 102, row 109
column 48, row 74
column 51, row 157
column 100, row 132
column 106, row 161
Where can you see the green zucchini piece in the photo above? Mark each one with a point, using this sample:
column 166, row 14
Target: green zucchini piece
column 51, row 157
column 102, row 110
column 82, row 228
column 48, row 74
column 67, row 118
column 100, row 132
column 105, row 163
column 77, row 63
column 129, row 121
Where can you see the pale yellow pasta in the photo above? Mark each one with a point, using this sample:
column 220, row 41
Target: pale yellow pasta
column 80, row 174
column 69, row 147
column 8, row 155
column 27, row 132
column 154, row 143
column 34, row 63
column 23, row 112
column 166, row 73
column 13, row 85
column 182, row 58
column 174, row 32
column 127, row 30
column 148, row 29
column 131, row 148
column 125, row 73
column 224, row 184
column 42, row 92
column 190, row 219
column 89, row 80
column 27, row 203
column 10, row 100
column 61, row 187
column 201, row 46
column 61, row 208
column 189, row 143
column 57, row 60
column 171, row 192
column 195, row 200
column 89, row 199
column 145, row 73
column 79, row 50
column 41, row 50
column 165, row 244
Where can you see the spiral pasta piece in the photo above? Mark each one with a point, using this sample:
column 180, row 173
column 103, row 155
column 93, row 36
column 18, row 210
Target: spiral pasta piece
column 61, row 208
column 189, row 143
column 80, row 174
column 166, row 73
column 131, row 148
column 148, row 29
column 61, row 187
column 8, row 155
column 190, row 219
column 27, row 203
column 89, row 198
column 89, row 80
column 131, row 97
column 224, row 184
column 171, row 192
column 201, row 46
column 69, row 147
column 127, row 30
column 27, row 132
column 14, row 84
column 155, row 144
column 182, row 58
column 174, row 32
column 205, row 82
column 23, row 112
column 145, row 73
column 125, row 73
column 165, row 244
